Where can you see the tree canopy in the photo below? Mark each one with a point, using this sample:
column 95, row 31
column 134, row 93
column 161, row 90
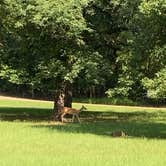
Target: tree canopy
column 115, row 48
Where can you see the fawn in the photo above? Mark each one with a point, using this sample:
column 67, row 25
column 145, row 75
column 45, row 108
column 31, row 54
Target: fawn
column 71, row 111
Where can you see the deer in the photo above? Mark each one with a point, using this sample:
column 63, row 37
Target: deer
column 71, row 111
column 119, row 134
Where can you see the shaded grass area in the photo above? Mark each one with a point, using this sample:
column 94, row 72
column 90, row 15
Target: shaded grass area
column 136, row 123
column 105, row 128
column 25, row 114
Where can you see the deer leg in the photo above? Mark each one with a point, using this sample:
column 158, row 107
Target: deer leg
column 78, row 118
column 73, row 118
column 62, row 115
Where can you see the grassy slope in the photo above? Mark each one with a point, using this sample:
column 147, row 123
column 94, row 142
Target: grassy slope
column 28, row 137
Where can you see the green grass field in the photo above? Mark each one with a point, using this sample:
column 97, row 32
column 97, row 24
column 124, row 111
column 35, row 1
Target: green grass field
column 30, row 138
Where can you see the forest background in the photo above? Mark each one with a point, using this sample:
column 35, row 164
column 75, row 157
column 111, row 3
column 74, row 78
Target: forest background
column 100, row 51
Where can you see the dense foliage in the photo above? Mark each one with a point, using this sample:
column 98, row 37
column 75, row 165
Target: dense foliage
column 115, row 48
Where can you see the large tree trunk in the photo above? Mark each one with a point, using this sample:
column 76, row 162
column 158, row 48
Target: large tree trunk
column 68, row 95
column 63, row 98
column 59, row 100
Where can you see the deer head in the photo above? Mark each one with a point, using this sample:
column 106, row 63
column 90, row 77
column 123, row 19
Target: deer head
column 83, row 108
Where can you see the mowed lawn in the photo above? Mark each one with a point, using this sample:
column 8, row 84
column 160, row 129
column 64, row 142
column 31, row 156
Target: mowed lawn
column 29, row 137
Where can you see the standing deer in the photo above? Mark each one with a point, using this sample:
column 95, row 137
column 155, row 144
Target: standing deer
column 71, row 111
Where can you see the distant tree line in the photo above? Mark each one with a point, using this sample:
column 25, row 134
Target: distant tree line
column 85, row 49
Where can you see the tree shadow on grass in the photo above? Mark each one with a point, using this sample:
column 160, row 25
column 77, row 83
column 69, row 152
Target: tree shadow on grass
column 24, row 114
column 105, row 128
column 135, row 124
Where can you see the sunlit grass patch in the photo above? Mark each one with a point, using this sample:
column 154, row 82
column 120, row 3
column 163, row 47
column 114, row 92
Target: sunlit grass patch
column 30, row 137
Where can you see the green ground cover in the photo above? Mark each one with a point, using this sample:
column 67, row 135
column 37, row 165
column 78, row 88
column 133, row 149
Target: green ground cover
column 29, row 137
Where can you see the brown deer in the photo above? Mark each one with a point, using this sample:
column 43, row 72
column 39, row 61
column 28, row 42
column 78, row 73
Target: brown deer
column 71, row 111
column 119, row 134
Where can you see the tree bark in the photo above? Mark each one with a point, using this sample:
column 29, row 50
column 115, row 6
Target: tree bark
column 68, row 95
column 59, row 100
column 63, row 98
